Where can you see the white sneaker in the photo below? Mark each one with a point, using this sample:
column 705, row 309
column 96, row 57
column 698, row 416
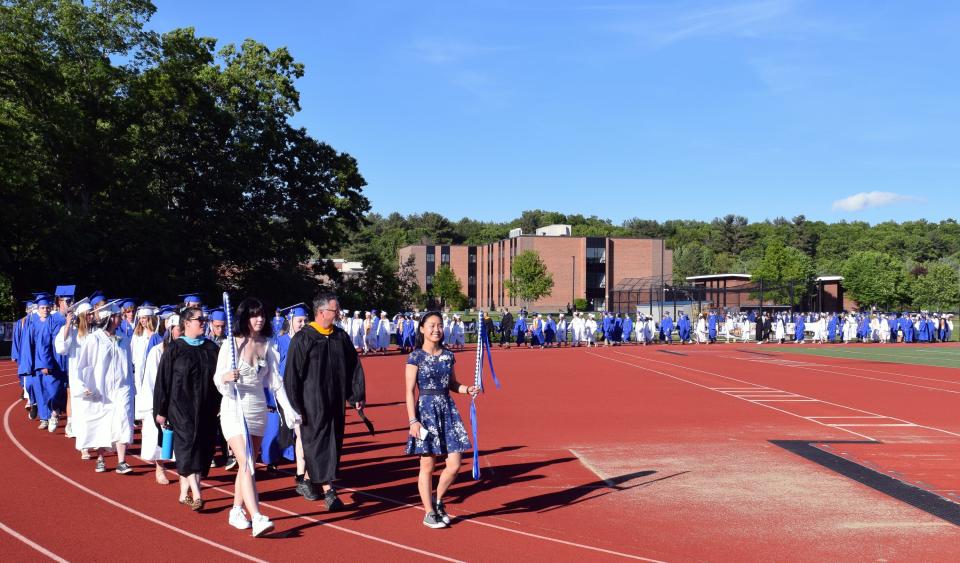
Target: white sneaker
column 261, row 525
column 238, row 518
column 68, row 430
column 53, row 423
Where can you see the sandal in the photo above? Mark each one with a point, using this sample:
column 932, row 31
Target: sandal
column 187, row 500
column 197, row 505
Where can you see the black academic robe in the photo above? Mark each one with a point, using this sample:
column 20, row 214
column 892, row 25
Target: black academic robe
column 187, row 396
column 321, row 375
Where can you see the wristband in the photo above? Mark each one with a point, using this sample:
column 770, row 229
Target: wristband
column 412, row 421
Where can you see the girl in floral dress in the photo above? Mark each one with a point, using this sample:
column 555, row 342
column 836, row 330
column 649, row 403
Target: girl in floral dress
column 436, row 428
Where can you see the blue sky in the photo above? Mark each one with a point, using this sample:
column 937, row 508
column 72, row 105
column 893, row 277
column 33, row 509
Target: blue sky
column 663, row 110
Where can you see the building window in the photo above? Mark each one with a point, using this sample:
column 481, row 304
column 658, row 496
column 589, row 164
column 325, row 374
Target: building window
column 472, row 280
column 596, row 255
column 473, row 258
column 429, row 280
column 444, row 258
column 596, row 280
column 430, row 257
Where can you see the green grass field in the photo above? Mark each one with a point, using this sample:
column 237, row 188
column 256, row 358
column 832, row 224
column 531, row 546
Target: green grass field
column 939, row 355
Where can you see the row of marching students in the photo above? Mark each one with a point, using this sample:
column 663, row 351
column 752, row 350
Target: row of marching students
column 172, row 373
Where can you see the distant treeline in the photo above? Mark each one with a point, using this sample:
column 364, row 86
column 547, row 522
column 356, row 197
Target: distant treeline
column 914, row 263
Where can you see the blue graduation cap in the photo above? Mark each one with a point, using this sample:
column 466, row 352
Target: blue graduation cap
column 96, row 297
column 192, row 297
column 298, row 310
column 127, row 303
column 43, row 299
column 218, row 314
column 65, row 291
column 166, row 310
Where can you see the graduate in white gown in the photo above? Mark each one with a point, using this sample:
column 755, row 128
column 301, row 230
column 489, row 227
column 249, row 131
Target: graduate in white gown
column 105, row 374
column 150, row 445
column 356, row 331
column 68, row 342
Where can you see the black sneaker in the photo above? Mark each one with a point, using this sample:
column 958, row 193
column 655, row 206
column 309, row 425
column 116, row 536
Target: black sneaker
column 308, row 490
column 124, row 468
column 431, row 520
column 32, row 415
column 330, row 499
column 231, row 464
column 441, row 512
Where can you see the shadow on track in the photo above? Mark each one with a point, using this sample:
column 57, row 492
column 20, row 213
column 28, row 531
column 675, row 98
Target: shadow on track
column 924, row 500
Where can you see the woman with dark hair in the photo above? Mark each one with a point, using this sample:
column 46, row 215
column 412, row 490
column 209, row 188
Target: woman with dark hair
column 244, row 404
column 436, row 428
column 186, row 398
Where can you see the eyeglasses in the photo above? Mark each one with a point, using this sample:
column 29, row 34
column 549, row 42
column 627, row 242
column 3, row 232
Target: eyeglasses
column 201, row 320
column 335, row 311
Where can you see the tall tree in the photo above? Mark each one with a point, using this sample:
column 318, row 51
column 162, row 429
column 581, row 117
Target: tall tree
column 938, row 289
column 875, row 278
column 529, row 278
column 446, row 286
column 781, row 267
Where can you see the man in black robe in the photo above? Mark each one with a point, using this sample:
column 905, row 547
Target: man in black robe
column 323, row 372
column 506, row 327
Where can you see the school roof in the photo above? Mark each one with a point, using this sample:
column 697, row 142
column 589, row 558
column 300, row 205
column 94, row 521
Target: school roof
column 719, row 277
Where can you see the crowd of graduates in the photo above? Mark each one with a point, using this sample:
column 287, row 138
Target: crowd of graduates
column 541, row 330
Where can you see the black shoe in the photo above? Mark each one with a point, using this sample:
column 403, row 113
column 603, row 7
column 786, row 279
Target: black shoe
column 333, row 503
column 33, row 412
column 231, row 464
column 308, row 490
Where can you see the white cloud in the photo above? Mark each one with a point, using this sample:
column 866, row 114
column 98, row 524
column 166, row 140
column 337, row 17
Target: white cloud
column 866, row 200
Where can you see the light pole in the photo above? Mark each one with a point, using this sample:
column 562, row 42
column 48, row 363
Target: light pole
column 573, row 283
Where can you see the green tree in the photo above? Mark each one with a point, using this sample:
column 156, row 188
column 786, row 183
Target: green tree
column 781, row 266
column 938, row 289
column 159, row 153
column 446, row 285
column 875, row 278
column 529, row 278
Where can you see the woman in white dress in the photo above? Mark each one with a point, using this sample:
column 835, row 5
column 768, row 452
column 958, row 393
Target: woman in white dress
column 257, row 367
column 779, row 329
column 69, row 340
column 150, row 447
column 106, row 383
column 590, row 330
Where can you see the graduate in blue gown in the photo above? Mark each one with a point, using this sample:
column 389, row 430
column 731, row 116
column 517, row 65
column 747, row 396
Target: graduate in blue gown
column 799, row 327
column 409, row 334
column 276, row 443
column 520, row 330
column 683, row 328
column 712, row 327
column 923, row 330
column 24, row 353
column 536, row 331
column 666, row 329
column 549, row 331
column 49, row 381
column 832, row 328
column 607, row 328
column 626, row 328
column 906, row 325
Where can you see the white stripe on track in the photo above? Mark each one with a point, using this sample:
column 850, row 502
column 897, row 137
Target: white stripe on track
column 108, row 500
column 32, row 543
column 339, row 528
column 501, row 528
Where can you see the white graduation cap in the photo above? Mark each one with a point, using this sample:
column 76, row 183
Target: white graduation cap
column 75, row 308
column 108, row 309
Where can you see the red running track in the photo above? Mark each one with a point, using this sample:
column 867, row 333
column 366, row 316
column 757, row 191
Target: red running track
column 616, row 453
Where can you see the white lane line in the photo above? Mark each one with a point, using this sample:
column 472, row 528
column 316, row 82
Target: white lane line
column 934, row 428
column 336, row 527
column 11, row 383
column 108, row 500
column 32, row 543
column 501, row 528
column 787, row 401
column 871, row 416
column 908, row 424
column 795, row 415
